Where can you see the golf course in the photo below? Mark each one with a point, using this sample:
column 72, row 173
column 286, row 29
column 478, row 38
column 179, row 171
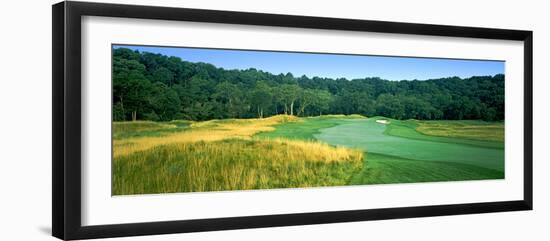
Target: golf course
column 397, row 152
column 190, row 119
column 288, row 152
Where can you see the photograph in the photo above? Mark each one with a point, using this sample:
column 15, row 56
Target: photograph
column 194, row 119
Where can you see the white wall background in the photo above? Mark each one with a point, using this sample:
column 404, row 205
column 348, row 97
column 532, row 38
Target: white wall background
column 25, row 119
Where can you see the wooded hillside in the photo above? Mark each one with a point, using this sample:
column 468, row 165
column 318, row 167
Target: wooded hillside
column 149, row 86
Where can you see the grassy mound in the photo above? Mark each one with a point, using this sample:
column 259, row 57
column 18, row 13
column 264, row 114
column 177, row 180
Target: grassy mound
column 303, row 130
column 450, row 132
column 234, row 164
column 469, row 129
column 221, row 155
column 130, row 129
column 352, row 116
column 212, row 130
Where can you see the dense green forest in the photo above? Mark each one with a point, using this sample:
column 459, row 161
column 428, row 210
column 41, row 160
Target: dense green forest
column 148, row 86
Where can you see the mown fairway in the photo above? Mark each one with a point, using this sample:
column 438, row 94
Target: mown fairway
column 286, row 151
column 402, row 152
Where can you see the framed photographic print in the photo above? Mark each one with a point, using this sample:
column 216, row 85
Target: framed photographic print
column 169, row 120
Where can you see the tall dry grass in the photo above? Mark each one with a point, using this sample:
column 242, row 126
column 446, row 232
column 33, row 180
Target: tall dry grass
column 213, row 130
column 473, row 130
column 234, row 164
column 223, row 155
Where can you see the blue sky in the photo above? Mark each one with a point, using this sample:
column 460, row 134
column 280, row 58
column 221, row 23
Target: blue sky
column 332, row 65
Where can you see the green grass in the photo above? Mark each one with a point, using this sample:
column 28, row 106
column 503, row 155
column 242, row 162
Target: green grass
column 369, row 136
column 302, row 130
column 383, row 169
column 466, row 129
column 286, row 152
column 398, row 153
column 409, row 129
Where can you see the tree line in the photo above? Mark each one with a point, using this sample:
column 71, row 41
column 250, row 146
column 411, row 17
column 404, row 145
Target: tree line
column 149, row 86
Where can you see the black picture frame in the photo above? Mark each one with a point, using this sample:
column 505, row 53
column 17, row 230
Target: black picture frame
column 66, row 127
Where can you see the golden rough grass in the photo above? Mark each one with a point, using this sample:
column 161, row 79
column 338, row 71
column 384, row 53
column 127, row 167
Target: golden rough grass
column 125, row 126
column 234, row 164
column 355, row 116
column 213, row 130
column 480, row 131
column 315, row 151
column 221, row 155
